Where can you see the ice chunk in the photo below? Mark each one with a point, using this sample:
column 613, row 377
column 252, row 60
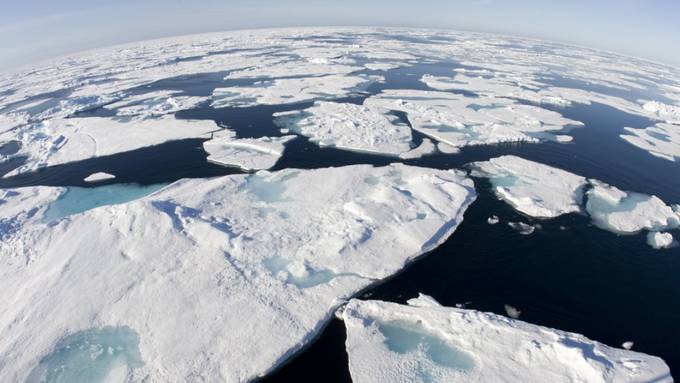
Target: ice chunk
column 61, row 141
column 350, row 126
column 90, row 356
column 493, row 220
column 97, row 177
column 245, row 153
column 532, row 188
column 522, row 228
column 251, row 262
column 460, row 120
column 628, row 345
column 75, row 200
column 389, row 342
column 291, row 90
column 661, row 140
column 660, row 240
column 512, row 312
column 628, row 212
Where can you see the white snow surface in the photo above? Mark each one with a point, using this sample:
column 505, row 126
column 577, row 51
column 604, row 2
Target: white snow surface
column 537, row 190
column 459, row 120
column 664, row 112
column 235, row 274
column 659, row 240
column 661, row 140
column 154, row 104
column 245, row 153
column 291, row 90
column 426, row 342
column 624, row 212
column 100, row 176
column 21, row 207
column 349, row 126
column 61, row 141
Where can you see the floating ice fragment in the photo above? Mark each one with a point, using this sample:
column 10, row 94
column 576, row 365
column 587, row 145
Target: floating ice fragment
column 493, row 220
column 522, row 228
column 660, row 240
column 512, row 312
column 628, row 345
column 97, row 177
column 661, row 140
column 245, row 153
column 532, row 188
column 426, row 342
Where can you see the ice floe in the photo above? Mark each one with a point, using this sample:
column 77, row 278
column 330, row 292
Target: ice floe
column 660, row 240
column 291, row 90
column 61, row 141
column 245, row 153
column 532, row 188
column 460, row 120
column 663, row 112
column 624, row 212
column 426, row 342
column 100, row 176
column 352, row 127
column 154, row 104
column 254, row 263
column 522, row 228
column 661, row 140
column 493, row 220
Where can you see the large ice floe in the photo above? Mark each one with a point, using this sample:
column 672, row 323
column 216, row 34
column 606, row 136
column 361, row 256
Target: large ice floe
column 61, row 141
column 661, row 140
column 213, row 280
column 542, row 191
column 460, row 120
column 426, row 342
column 532, row 188
column 245, row 153
column 291, row 90
column 350, row 126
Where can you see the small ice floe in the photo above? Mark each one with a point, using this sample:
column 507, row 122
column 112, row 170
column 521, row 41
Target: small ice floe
column 512, row 312
column 493, row 220
column 98, row 177
column 661, row 140
column 660, row 240
column 522, row 228
column 628, row 345
column 245, row 153
column 427, row 342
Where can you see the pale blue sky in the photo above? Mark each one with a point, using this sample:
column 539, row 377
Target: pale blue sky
column 32, row 30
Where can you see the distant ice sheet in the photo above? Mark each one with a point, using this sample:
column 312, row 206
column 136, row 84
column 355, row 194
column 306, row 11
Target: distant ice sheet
column 426, row 342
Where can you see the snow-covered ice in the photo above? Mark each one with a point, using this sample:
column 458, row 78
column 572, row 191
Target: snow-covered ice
column 62, row 141
column 663, row 112
column 426, row 342
column 245, row 153
column 459, row 120
column 350, row 126
column 624, row 212
column 493, row 220
column 659, row 240
column 100, row 176
column 522, row 228
column 661, row 140
column 254, row 263
column 155, row 104
column 291, row 90
column 537, row 190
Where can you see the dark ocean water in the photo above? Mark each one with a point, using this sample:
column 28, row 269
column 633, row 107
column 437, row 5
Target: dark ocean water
column 568, row 275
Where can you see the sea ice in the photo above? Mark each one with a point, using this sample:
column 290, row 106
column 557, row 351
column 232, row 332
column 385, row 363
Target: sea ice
column 663, row 112
column 460, row 120
column 661, row 140
column 426, row 342
column 493, row 220
column 242, row 271
column 245, row 153
column 532, row 188
column 155, row 104
column 291, row 90
column 57, row 142
column 522, row 228
column 660, row 240
column 350, row 126
column 628, row 212
column 22, row 206
column 97, row 177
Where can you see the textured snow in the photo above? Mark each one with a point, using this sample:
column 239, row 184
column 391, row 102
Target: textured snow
column 628, row 212
column 532, row 188
column 426, row 342
column 661, row 140
column 291, row 90
column 660, row 240
column 663, row 112
column 100, row 176
column 60, row 141
column 350, row 126
column 245, row 153
column 21, row 207
column 460, row 120
column 155, row 104
column 222, row 279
